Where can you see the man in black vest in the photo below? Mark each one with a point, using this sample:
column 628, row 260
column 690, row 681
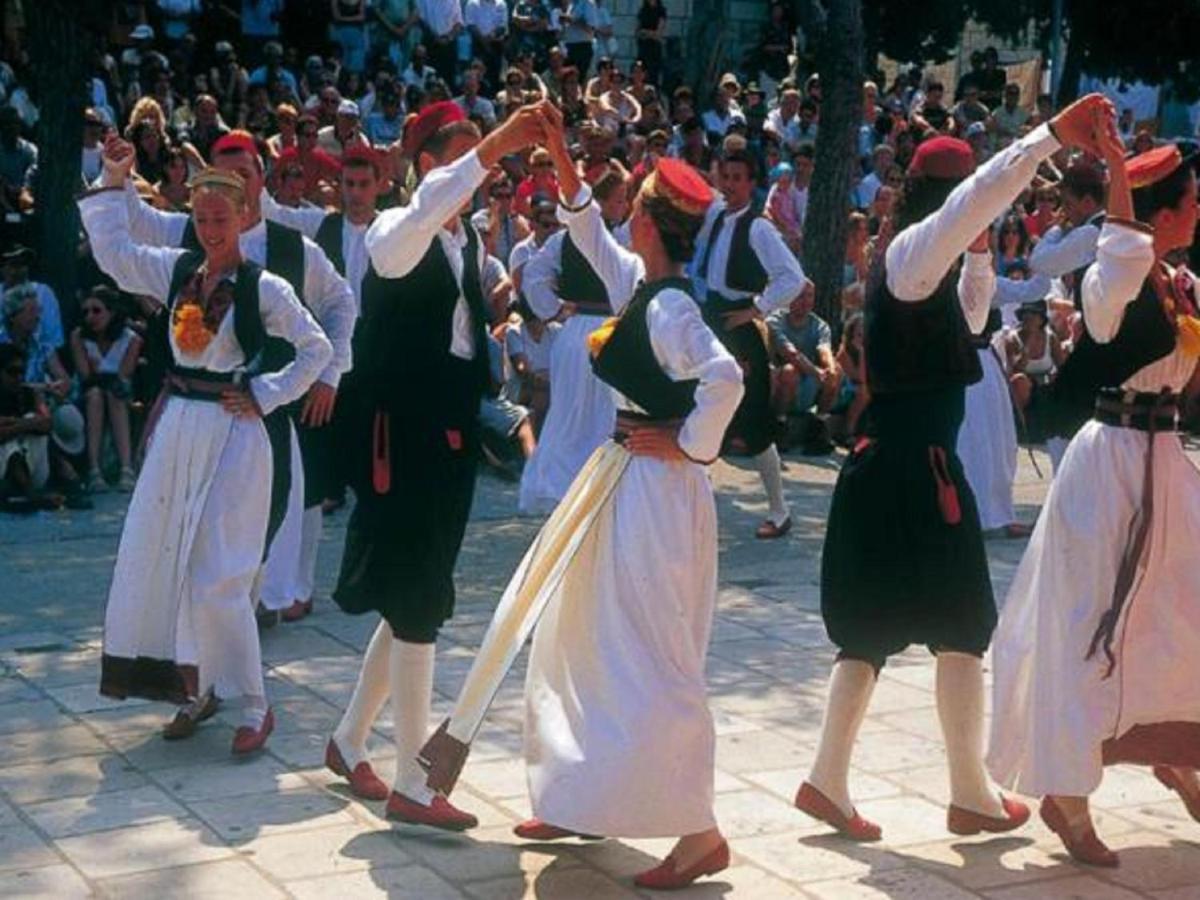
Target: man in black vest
column 560, row 283
column 301, row 262
column 749, row 272
column 424, row 321
column 342, row 237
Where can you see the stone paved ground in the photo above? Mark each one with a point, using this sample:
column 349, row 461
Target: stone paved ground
column 92, row 801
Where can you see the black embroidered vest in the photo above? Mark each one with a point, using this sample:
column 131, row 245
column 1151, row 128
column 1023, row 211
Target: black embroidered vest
column 627, row 361
column 329, row 239
column 744, row 271
column 579, row 282
column 247, row 318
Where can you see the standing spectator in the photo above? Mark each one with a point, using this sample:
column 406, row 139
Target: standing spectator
column 775, row 48
column 344, row 132
column 603, row 42
column 651, row 38
column 392, row 31
column 228, row 82
column 531, row 24
column 105, row 352
column 260, row 24
column 1009, row 119
column 473, row 104
column 882, row 159
column 349, row 31
column 17, row 156
column 579, row 31
column 385, row 125
column 442, row 21
column 418, row 74
column 992, row 79
column 178, row 17
column 971, row 79
column 487, row 20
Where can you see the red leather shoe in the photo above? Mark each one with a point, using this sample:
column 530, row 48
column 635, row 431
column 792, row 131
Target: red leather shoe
column 297, row 611
column 1166, row 775
column 811, row 801
column 1017, row 530
column 967, row 822
column 537, row 830
column 251, row 740
column 364, row 783
column 438, row 814
column 1087, row 849
column 665, row 877
column 769, row 531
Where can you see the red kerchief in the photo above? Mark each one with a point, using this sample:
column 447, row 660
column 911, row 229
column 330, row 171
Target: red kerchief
column 425, row 124
column 235, row 140
column 943, row 157
column 1153, row 166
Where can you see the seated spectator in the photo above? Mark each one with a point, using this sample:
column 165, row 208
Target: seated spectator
column 969, row 109
column 976, row 136
column 805, row 375
column 473, row 104
column 260, row 117
column 528, row 344
column 207, row 128
column 20, row 315
column 541, row 180
column 853, row 394
column 616, row 107
column 105, row 352
column 1012, row 243
column 417, row 73
column 273, row 70
column 882, row 158
column 25, row 425
column 173, row 192
column 786, row 205
column 152, row 146
column 286, row 118
column 385, row 125
column 723, row 111
column 1034, row 354
column 501, row 227
column 288, row 179
column 14, row 270
column 1009, row 120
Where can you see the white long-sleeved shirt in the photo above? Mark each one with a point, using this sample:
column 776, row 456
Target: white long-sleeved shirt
column 785, row 278
column 327, row 295
column 146, row 270
column 540, row 282
column 919, row 257
column 683, row 345
column 1124, row 257
column 1059, row 252
column 1010, row 293
column 440, row 15
column 307, row 220
column 399, row 238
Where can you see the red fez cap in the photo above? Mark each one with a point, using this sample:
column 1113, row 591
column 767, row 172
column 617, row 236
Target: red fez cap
column 234, row 141
column 681, row 185
column 428, row 122
column 364, row 152
column 1153, row 166
column 943, row 157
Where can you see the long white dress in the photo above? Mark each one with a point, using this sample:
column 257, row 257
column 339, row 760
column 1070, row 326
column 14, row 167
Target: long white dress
column 193, row 538
column 1054, row 709
column 619, row 739
column 581, row 413
column 987, row 443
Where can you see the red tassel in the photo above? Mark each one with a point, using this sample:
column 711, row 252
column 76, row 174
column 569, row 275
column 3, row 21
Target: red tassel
column 381, row 455
column 454, row 438
column 947, row 493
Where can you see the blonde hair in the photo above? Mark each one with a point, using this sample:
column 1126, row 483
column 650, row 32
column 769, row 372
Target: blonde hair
column 145, row 108
column 229, row 185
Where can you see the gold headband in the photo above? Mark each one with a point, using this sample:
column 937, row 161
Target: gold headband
column 220, row 179
column 657, row 188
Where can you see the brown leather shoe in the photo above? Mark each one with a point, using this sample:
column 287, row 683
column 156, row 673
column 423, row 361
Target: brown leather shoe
column 768, row 530
column 189, row 717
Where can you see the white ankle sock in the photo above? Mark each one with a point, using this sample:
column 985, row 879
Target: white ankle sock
column 850, row 689
column 370, row 693
column 770, row 468
column 411, row 676
column 960, row 710
column 254, row 711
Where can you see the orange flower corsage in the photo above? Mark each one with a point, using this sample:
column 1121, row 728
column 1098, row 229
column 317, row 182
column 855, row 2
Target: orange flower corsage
column 191, row 334
column 598, row 338
column 1189, row 335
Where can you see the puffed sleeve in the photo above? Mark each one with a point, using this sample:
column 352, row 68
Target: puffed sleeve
column 285, row 317
column 686, row 348
column 1124, row 257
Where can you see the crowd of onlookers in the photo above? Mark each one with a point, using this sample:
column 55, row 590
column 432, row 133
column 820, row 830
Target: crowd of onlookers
column 309, row 80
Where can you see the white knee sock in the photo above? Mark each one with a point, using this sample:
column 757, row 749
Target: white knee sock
column 411, row 668
column 254, row 710
column 960, row 709
column 370, row 693
column 770, row 468
column 850, row 689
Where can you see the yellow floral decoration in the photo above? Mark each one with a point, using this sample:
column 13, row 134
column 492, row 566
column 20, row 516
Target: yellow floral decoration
column 1189, row 335
column 598, row 338
column 191, row 334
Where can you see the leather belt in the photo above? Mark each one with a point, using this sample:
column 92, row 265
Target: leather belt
column 1139, row 411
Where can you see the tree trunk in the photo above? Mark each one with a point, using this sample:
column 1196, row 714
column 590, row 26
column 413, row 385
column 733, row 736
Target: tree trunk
column 60, row 48
column 705, row 48
column 839, row 63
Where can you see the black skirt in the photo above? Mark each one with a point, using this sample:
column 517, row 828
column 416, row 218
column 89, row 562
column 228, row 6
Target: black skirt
column 752, row 429
column 404, row 534
column 904, row 561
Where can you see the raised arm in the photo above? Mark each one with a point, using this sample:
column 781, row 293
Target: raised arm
column 1059, row 252
column 306, row 219
column 136, row 268
column 687, row 349
column 284, row 317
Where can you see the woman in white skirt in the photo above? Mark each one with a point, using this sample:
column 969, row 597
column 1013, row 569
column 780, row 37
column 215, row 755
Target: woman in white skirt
column 1095, row 651
column 179, row 625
